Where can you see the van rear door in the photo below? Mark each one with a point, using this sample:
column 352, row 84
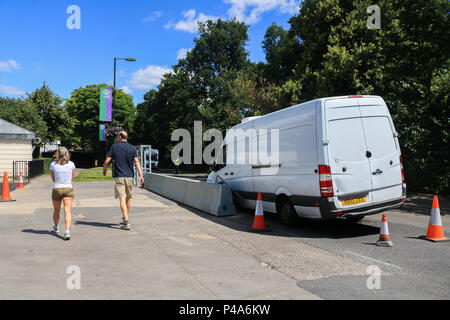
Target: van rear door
column 384, row 150
column 347, row 151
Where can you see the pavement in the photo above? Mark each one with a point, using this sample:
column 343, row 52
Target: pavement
column 176, row 252
column 166, row 254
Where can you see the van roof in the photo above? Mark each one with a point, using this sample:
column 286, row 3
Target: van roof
column 248, row 120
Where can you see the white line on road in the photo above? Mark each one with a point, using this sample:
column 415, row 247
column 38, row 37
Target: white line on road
column 369, row 258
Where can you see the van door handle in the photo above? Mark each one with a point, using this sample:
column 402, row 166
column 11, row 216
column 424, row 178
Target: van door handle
column 231, row 173
column 226, row 173
column 377, row 172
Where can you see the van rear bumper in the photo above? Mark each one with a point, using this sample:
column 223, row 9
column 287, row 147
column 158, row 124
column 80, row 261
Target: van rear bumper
column 328, row 209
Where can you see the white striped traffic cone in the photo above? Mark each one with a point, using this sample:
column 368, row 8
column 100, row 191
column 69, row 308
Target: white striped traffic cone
column 384, row 240
column 258, row 223
column 435, row 230
column 20, row 185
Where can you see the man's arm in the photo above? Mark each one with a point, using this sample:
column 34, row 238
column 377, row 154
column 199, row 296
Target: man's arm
column 138, row 166
column 105, row 165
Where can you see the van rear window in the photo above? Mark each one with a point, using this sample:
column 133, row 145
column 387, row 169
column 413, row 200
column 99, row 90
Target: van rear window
column 346, row 139
column 379, row 136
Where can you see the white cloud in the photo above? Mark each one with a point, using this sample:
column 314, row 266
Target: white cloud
column 149, row 77
column 153, row 16
column 250, row 11
column 191, row 22
column 11, row 90
column 9, row 65
column 126, row 90
column 181, row 54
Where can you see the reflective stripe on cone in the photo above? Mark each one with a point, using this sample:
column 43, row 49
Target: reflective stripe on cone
column 435, row 230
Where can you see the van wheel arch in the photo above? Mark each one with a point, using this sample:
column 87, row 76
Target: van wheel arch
column 286, row 210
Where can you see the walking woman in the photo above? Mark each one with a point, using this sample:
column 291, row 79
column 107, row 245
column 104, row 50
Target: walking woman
column 62, row 171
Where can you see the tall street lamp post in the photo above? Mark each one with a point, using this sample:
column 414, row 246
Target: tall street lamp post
column 114, row 93
column 114, row 87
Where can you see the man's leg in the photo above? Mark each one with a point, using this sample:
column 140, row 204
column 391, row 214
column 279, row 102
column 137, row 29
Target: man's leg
column 128, row 204
column 124, row 207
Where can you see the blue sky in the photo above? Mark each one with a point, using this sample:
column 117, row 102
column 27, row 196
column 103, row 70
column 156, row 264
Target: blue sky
column 36, row 45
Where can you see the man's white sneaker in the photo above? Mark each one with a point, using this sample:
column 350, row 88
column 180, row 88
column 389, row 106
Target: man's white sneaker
column 55, row 229
column 66, row 235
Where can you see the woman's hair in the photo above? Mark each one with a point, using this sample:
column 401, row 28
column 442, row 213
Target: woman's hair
column 62, row 155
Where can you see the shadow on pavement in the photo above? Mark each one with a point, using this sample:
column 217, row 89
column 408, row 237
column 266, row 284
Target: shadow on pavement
column 99, row 224
column 42, row 232
column 304, row 228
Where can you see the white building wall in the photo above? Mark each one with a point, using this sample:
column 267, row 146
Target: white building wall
column 14, row 150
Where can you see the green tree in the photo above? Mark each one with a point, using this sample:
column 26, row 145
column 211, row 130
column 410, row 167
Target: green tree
column 83, row 106
column 23, row 113
column 49, row 107
column 406, row 62
column 282, row 50
column 198, row 87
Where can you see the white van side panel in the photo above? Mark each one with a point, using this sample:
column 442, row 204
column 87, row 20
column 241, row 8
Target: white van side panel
column 298, row 156
column 238, row 172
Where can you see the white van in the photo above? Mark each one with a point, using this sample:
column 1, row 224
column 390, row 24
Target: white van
column 337, row 156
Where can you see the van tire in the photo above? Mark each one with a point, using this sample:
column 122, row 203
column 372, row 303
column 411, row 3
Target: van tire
column 236, row 203
column 288, row 215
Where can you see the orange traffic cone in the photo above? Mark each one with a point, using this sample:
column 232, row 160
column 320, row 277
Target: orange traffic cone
column 384, row 240
column 6, row 196
column 435, row 231
column 258, row 223
column 20, row 185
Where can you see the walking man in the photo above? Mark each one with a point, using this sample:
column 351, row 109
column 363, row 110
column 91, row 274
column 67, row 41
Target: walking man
column 124, row 155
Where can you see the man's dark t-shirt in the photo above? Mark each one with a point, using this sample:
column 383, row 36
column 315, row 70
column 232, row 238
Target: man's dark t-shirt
column 123, row 155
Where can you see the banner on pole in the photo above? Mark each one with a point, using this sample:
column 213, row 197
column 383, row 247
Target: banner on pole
column 102, row 134
column 105, row 104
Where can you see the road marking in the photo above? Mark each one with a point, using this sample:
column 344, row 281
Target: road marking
column 369, row 258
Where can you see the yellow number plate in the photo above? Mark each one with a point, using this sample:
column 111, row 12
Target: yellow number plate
column 353, row 201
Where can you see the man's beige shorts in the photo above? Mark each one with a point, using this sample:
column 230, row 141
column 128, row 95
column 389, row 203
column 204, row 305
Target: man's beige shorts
column 123, row 187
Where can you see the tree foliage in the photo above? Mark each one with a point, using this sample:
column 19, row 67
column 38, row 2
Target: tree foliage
column 327, row 50
column 83, row 106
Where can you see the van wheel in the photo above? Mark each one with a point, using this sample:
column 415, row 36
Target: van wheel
column 236, row 203
column 286, row 210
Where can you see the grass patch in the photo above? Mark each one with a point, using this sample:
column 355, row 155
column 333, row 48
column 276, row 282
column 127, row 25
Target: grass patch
column 99, row 169
column 93, row 175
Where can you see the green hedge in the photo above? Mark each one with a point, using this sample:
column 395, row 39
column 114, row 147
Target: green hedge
column 47, row 162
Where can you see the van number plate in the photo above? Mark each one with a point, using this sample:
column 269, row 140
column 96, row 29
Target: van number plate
column 353, row 201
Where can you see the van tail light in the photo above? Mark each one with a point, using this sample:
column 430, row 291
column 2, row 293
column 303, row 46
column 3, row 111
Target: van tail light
column 403, row 171
column 326, row 185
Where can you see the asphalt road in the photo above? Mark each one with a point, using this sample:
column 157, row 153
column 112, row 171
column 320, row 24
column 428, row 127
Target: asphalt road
column 415, row 268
